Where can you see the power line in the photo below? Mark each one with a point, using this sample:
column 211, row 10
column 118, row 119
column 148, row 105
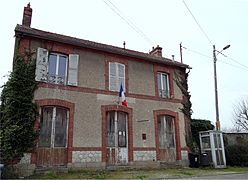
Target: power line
column 117, row 11
column 205, row 34
column 199, row 53
column 237, row 62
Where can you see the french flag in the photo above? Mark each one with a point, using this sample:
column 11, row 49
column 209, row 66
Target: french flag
column 122, row 96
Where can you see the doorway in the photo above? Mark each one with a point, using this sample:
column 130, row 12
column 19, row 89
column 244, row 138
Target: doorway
column 166, row 137
column 52, row 145
column 116, row 138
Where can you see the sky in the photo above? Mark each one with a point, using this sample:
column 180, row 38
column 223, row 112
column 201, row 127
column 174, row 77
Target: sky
column 146, row 23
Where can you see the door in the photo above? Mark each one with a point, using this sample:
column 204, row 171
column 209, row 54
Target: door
column 116, row 138
column 52, row 143
column 166, row 136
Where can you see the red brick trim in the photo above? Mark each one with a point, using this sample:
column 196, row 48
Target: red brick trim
column 118, row 60
column 71, row 107
column 24, row 45
column 144, row 149
column 99, row 91
column 167, row 70
column 86, row 148
column 129, row 111
column 156, row 113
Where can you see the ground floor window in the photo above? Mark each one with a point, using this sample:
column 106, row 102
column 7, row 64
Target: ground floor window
column 166, row 131
column 53, row 127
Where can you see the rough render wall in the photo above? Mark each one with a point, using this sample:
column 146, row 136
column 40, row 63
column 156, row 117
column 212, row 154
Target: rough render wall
column 88, row 75
column 141, row 81
column 140, row 75
column 141, row 78
column 91, row 70
column 143, row 121
column 88, row 121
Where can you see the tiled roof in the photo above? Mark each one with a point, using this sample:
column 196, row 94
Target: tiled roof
column 32, row 32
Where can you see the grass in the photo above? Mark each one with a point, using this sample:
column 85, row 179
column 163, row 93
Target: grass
column 140, row 174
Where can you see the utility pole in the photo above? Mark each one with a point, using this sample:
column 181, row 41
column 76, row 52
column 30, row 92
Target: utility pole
column 181, row 52
column 216, row 90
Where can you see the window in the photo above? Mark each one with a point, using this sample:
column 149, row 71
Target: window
column 116, row 76
column 56, row 68
column 53, row 127
column 163, row 85
column 166, row 132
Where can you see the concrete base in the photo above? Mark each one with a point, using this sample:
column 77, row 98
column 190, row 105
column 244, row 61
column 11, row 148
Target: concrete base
column 24, row 170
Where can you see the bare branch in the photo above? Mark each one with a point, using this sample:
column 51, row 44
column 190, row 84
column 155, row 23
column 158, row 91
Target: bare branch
column 241, row 114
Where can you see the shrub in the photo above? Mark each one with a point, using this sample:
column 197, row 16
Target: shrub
column 237, row 155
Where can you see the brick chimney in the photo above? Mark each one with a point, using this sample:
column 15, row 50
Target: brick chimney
column 27, row 16
column 157, row 51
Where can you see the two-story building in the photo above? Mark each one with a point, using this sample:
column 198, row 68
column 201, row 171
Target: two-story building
column 82, row 122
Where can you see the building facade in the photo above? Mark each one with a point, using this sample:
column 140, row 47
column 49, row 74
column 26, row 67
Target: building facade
column 82, row 122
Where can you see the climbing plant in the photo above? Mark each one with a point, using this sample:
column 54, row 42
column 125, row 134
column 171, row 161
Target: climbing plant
column 18, row 111
column 182, row 82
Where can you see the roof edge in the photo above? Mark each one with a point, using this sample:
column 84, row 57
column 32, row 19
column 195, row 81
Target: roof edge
column 40, row 34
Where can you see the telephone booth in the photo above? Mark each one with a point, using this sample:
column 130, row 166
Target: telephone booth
column 212, row 144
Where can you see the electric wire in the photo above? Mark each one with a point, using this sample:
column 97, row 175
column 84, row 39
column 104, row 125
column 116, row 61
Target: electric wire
column 199, row 53
column 117, row 11
column 205, row 34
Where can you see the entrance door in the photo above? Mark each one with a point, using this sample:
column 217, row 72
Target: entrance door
column 116, row 138
column 52, row 144
column 166, row 135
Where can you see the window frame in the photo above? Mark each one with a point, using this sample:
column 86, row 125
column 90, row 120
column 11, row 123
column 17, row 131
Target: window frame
column 117, row 76
column 166, row 120
column 163, row 87
column 53, row 126
column 58, row 55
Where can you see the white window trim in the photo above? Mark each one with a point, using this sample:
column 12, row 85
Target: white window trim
column 117, row 76
column 162, row 83
column 57, row 66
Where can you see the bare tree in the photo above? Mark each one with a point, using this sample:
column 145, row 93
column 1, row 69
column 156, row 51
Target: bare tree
column 241, row 114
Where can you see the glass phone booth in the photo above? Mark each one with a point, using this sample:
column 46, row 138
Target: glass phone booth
column 211, row 142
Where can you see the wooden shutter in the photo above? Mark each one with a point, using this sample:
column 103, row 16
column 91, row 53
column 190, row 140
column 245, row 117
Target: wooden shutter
column 73, row 70
column 121, row 74
column 41, row 65
column 112, row 77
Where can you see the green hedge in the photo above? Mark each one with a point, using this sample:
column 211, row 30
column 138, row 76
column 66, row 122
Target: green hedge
column 237, row 155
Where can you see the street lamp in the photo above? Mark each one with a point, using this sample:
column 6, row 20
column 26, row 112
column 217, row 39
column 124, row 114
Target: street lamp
column 215, row 85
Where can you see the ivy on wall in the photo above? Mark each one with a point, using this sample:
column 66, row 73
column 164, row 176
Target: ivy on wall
column 18, row 112
column 182, row 82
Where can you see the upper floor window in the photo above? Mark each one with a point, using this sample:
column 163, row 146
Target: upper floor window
column 56, row 68
column 116, row 76
column 163, row 85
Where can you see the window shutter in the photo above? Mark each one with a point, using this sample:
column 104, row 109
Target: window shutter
column 41, row 65
column 112, row 76
column 121, row 73
column 73, row 70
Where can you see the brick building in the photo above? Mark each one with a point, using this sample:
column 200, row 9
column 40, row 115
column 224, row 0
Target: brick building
column 82, row 123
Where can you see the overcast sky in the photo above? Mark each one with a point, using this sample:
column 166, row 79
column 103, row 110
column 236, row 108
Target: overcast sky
column 165, row 23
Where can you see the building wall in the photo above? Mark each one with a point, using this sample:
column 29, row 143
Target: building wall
column 91, row 93
column 92, row 73
column 87, row 116
column 141, row 78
